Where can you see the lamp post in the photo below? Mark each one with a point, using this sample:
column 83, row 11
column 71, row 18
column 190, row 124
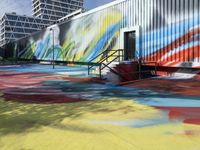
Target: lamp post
column 53, row 47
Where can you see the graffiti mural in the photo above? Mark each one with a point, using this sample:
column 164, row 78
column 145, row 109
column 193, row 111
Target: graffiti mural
column 42, row 107
column 78, row 40
column 169, row 33
column 172, row 36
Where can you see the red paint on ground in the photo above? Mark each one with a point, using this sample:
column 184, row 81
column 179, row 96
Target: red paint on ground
column 183, row 87
column 190, row 115
column 191, row 132
column 192, row 121
column 29, row 88
column 45, row 98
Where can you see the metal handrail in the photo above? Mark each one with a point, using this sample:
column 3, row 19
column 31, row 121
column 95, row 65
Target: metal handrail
column 110, row 62
column 98, row 55
column 103, row 53
column 101, row 62
column 103, row 59
column 149, row 62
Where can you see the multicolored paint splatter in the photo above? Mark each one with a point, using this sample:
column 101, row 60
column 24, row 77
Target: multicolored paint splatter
column 72, row 41
column 41, row 108
column 56, row 109
column 168, row 33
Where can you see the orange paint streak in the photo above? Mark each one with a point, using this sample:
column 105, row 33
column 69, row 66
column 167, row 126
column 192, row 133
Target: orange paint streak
column 188, row 54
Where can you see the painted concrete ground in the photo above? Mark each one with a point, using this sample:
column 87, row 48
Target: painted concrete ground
column 41, row 108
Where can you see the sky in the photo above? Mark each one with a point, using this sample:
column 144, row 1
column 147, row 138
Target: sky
column 89, row 4
column 24, row 7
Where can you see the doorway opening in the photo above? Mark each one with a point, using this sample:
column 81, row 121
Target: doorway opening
column 129, row 45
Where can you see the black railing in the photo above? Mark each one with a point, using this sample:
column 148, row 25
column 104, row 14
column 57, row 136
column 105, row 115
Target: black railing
column 104, row 60
column 155, row 64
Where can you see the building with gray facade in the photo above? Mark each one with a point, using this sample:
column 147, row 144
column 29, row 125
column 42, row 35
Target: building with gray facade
column 45, row 12
column 13, row 27
column 52, row 10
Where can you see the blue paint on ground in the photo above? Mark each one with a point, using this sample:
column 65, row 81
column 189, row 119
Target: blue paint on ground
column 92, row 91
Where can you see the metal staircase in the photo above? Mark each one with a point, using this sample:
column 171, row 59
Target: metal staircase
column 104, row 66
column 104, row 61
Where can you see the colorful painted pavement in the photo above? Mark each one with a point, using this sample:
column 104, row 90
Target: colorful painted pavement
column 42, row 108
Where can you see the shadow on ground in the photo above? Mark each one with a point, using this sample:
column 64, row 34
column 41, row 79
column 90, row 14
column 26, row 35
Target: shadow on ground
column 22, row 118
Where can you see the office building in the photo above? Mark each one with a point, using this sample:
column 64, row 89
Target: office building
column 13, row 26
column 45, row 12
column 52, row 10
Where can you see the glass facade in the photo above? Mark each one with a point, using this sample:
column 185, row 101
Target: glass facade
column 52, row 10
column 45, row 12
column 13, row 27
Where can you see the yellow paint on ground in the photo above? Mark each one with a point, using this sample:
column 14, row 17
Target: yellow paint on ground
column 71, row 127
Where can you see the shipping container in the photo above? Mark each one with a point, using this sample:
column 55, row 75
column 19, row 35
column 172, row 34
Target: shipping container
column 162, row 31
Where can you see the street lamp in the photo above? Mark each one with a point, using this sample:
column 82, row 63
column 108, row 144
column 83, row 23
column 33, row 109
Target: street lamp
column 51, row 29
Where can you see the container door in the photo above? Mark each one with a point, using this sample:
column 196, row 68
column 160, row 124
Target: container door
column 129, row 45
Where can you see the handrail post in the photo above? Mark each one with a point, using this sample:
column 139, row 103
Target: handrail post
column 140, row 68
column 122, row 50
column 119, row 55
column 106, row 56
column 88, row 69
column 100, row 75
column 156, row 68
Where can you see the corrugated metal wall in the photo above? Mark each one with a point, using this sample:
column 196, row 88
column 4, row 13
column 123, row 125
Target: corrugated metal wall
column 170, row 29
column 169, row 32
